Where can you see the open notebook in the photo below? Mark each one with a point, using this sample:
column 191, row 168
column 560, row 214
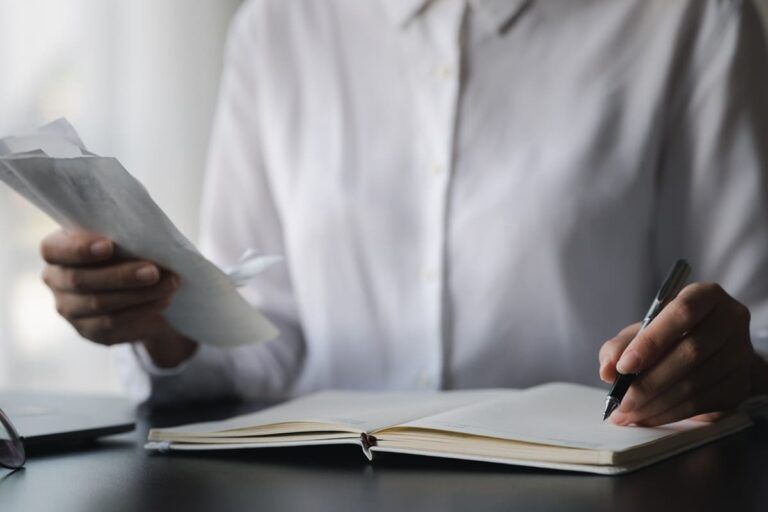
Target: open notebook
column 554, row 426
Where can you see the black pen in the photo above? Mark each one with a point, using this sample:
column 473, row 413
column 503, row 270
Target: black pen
column 669, row 289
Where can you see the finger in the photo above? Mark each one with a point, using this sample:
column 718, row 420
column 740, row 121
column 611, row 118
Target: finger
column 706, row 339
column 128, row 325
column 722, row 396
column 714, row 370
column 116, row 277
column 73, row 305
column 693, row 304
column 75, row 248
column 612, row 349
column 709, row 417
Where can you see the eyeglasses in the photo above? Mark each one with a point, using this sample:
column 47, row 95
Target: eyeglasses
column 12, row 454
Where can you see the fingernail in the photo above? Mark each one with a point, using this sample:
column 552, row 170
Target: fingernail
column 147, row 274
column 101, row 248
column 627, row 404
column 629, row 363
column 618, row 419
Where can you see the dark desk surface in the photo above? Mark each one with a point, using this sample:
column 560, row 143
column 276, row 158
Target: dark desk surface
column 116, row 474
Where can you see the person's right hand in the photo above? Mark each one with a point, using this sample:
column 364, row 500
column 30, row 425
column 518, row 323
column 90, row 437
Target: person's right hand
column 110, row 300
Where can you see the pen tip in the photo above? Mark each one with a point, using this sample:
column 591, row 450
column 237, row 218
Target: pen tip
column 609, row 408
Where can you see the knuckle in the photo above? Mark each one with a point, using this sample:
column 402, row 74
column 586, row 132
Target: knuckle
column 95, row 303
column 73, row 279
column 125, row 275
column 692, row 352
column 683, row 311
column 649, row 342
column 55, row 278
column 82, row 250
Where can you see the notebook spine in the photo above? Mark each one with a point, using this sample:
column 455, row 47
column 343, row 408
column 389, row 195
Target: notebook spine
column 367, row 441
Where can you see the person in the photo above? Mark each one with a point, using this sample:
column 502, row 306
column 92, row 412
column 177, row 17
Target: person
column 471, row 194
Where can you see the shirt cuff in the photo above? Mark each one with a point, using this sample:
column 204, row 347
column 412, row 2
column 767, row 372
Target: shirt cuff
column 148, row 364
column 205, row 376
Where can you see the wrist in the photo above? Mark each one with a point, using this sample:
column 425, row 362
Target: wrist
column 169, row 348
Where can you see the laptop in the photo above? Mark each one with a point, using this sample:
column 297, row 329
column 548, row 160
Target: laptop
column 46, row 421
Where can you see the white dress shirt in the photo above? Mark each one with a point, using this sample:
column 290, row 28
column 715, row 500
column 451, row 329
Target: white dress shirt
column 476, row 193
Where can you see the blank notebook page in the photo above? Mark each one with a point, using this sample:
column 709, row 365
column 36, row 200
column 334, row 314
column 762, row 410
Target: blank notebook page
column 555, row 414
column 357, row 411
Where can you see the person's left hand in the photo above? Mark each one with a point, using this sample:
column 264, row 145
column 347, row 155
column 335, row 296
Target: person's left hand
column 693, row 360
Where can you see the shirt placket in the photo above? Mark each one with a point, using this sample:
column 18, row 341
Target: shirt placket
column 436, row 44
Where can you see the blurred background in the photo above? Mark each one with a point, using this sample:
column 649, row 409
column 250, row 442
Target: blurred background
column 138, row 78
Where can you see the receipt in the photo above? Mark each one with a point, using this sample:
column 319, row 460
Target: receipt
column 82, row 191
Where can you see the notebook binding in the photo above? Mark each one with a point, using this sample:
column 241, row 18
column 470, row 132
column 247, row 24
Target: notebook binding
column 367, row 441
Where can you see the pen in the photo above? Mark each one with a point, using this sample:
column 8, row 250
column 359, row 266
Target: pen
column 668, row 291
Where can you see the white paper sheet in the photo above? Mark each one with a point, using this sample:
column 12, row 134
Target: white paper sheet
column 82, row 191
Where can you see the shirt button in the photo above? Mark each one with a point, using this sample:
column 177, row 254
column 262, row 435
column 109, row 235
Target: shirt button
column 425, row 380
column 436, row 169
column 445, row 72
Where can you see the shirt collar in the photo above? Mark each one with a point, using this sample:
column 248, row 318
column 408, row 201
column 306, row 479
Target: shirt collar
column 496, row 14
column 402, row 11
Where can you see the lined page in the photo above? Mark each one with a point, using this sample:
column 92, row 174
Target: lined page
column 356, row 411
column 557, row 414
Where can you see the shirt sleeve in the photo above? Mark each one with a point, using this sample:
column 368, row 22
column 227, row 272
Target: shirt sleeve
column 238, row 213
column 713, row 179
